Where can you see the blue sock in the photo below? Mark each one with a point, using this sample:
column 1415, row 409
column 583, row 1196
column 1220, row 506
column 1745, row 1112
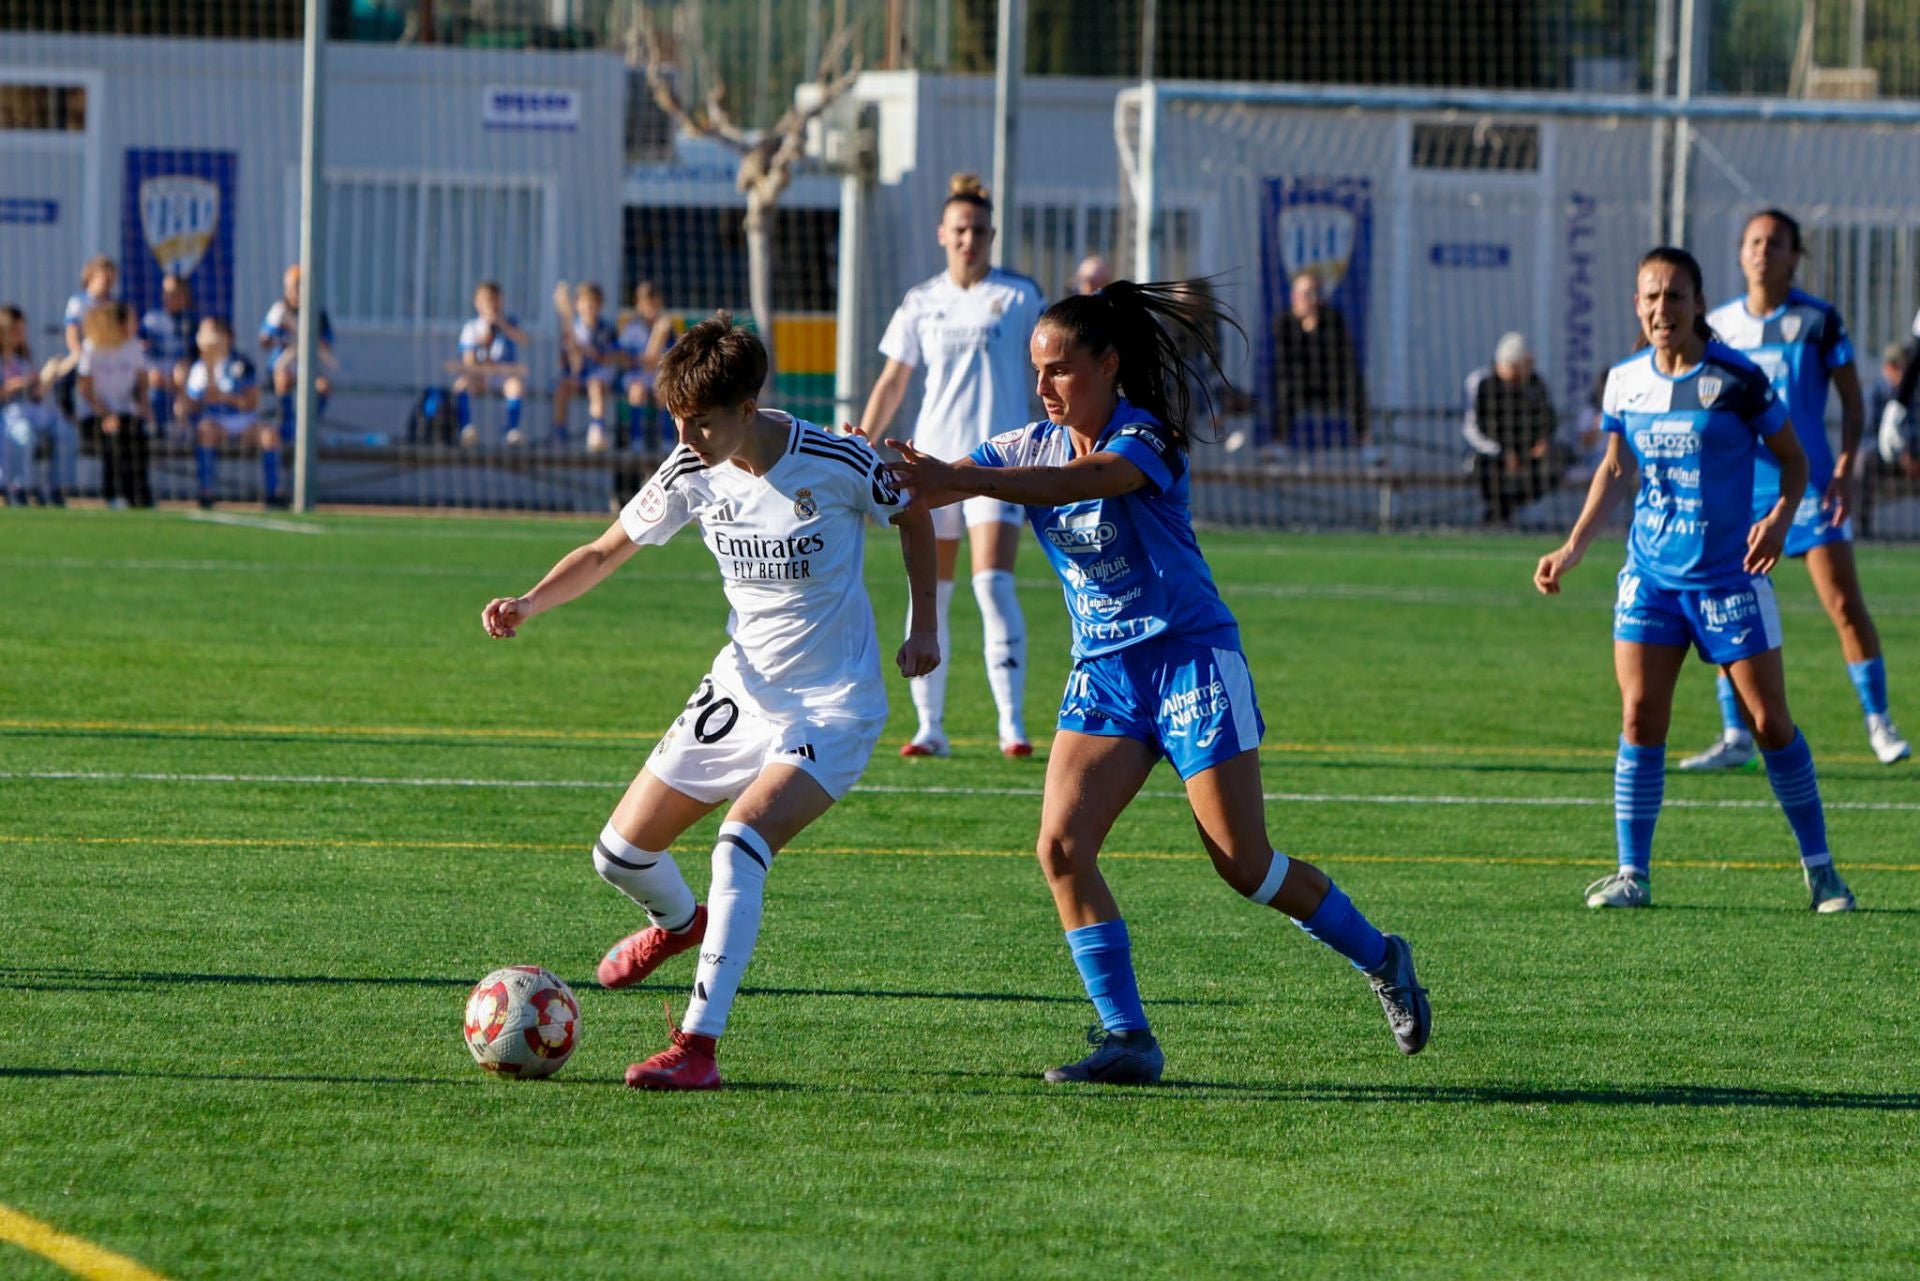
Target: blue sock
column 1104, row 956
column 1790, row 770
column 463, row 406
column 205, row 464
column 286, row 414
column 160, row 401
column 1730, row 718
column 513, row 416
column 1639, row 785
column 1870, row 682
column 319, row 406
column 270, row 471
column 1339, row 924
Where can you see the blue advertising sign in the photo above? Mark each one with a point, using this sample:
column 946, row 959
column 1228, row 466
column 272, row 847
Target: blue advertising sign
column 177, row 216
column 1321, row 225
column 1468, row 253
column 30, row 210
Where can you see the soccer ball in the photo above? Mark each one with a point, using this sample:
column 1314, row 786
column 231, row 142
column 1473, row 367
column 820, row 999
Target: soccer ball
column 521, row 1021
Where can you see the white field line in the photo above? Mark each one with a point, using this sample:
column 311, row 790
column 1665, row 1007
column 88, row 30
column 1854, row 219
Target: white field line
column 1519, row 595
column 275, row 524
column 876, row 789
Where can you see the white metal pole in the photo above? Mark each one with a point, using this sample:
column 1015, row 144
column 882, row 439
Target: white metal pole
column 1147, row 192
column 1662, row 128
column 312, row 210
column 1683, row 127
column 849, row 306
column 1010, row 62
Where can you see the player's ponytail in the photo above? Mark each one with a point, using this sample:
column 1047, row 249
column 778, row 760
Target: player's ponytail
column 1674, row 256
column 1152, row 328
column 967, row 189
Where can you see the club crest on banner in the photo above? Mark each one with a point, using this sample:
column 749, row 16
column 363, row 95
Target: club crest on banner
column 1709, row 390
column 1790, row 327
column 179, row 215
column 1319, row 238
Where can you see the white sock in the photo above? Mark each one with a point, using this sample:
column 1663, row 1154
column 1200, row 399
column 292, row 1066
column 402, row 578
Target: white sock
column 649, row 878
column 930, row 691
column 740, row 862
column 1006, row 650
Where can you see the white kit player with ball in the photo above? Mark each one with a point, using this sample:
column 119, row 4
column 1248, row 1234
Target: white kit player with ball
column 784, row 724
column 968, row 327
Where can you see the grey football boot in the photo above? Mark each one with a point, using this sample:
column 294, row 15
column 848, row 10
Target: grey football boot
column 1402, row 997
column 1623, row 888
column 1830, row 893
column 1118, row 1058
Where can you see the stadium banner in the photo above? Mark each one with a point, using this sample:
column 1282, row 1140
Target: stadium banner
column 1322, row 225
column 177, row 216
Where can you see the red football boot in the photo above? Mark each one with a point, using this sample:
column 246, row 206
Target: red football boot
column 1016, row 750
column 686, row 1065
column 638, row 955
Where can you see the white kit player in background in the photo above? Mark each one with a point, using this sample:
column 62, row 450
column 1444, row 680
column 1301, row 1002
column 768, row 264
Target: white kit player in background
column 968, row 327
column 786, row 720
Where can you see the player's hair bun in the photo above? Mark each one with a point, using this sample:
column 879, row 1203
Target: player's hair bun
column 966, row 186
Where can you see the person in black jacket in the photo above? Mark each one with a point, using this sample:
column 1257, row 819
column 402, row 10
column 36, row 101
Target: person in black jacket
column 1510, row 424
column 1320, row 391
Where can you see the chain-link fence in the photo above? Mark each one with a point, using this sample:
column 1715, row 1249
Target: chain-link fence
column 521, row 202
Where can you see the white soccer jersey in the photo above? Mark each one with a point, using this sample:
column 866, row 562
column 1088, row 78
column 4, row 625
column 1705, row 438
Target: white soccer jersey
column 792, row 549
column 973, row 344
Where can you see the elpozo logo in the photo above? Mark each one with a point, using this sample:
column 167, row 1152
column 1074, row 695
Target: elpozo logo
column 179, row 215
column 1082, row 534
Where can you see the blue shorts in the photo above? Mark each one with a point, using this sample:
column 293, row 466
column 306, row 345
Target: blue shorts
column 1811, row 528
column 1726, row 624
column 1192, row 703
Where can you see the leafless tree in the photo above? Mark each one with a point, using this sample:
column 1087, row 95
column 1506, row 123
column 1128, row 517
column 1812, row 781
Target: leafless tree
column 766, row 160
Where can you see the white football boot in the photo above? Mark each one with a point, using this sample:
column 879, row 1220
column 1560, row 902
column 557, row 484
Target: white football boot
column 1886, row 740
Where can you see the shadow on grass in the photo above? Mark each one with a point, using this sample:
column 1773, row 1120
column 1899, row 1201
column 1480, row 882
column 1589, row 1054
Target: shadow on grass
column 56, row 979
column 462, row 742
column 1027, row 1085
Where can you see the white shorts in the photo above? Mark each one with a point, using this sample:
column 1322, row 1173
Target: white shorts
column 954, row 520
column 716, row 748
column 234, row 424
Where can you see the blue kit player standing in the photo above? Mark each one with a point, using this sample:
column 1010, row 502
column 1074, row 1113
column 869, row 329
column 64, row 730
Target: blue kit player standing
column 1685, row 418
column 1802, row 346
column 1158, row 669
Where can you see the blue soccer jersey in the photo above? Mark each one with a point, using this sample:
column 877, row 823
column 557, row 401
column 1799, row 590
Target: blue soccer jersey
column 489, row 344
column 1797, row 345
column 1130, row 566
column 1696, row 437
column 167, row 337
column 280, row 329
column 233, row 376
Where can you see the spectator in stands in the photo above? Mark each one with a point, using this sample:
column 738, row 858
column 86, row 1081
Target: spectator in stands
column 1898, row 425
column 644, row 340
column 112, row 392
column 224, row 389
column 589, row 361
column 1320, row 392
column 29, row 423
column 97, row 280
column 490, row 362
column 280, row 345
column 1510, row 425
column 1092, row 275
column 166, row 334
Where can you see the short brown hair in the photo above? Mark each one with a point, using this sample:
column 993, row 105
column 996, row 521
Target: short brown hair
column 714, row 365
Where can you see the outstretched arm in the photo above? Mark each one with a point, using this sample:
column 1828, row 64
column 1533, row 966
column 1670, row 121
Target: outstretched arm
column 935, row 483
column 883, row 402
column 579, row 572
column 1613, row 480
column 921, row 652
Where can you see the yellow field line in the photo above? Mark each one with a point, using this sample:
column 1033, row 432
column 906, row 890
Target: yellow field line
column 910, row 851
column 514, row 733
column 82, row 1258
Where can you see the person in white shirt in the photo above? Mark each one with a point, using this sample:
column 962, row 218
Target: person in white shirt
column 968, row 327
column 787, row 719
column 113, row 392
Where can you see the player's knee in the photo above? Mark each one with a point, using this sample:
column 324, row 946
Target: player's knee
column 1062, row 857
column 209, row 435
column 1772, row 726
column 514, row 388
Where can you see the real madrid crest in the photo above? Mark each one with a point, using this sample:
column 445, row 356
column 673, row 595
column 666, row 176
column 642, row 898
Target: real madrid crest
column 803, row 505
column 1790, row 327
column 1709, row 390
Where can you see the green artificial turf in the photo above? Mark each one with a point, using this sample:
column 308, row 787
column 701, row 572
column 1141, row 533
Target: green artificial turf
column 238, row 936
